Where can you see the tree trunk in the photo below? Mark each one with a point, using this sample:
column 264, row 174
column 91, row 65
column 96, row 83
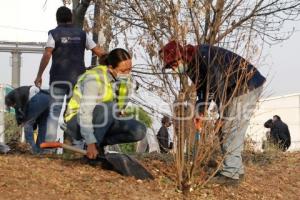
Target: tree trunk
column 102, row 32
column 96, row 29
column 79, row 9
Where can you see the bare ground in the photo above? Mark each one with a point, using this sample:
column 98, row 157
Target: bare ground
column 30, row 177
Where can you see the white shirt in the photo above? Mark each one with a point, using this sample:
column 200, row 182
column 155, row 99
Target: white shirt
column 33, row 91
column 89, row 43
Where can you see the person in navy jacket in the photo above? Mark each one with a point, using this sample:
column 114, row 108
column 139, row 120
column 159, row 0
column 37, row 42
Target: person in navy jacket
column 231, row 79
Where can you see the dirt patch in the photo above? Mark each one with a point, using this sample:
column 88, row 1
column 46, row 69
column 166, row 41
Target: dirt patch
column 32, row 177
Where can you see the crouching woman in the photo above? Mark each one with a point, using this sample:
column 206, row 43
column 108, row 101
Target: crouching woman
column 99, row 97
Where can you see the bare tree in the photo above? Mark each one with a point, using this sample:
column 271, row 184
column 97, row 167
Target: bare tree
column 240, row 25
column 79, row 9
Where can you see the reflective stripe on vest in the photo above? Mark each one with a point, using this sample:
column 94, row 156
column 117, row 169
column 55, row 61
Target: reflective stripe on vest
column 123, row 93
column 107, row 95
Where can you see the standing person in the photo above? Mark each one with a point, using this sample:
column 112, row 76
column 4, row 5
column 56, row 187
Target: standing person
column 95, row 110
column 66, row 45
column 32, row 109
column 279, row 134
column 284, row 133
column 197, row 62
column 163, row 135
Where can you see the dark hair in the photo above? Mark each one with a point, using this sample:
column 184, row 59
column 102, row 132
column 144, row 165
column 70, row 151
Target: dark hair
column 9, row 100
column 114, row 57
column 63, row 15
column 165, row 120
column 268, row 124
column 276, row 116
column 200, row 108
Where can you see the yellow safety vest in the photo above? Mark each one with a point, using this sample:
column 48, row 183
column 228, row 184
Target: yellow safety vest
column 101, row 76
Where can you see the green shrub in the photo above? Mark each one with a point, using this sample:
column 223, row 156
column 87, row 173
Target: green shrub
column 11, row 131
column 141, row 115
column 128, row 147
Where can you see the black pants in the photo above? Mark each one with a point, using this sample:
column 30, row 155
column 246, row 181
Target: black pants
column 114, row 131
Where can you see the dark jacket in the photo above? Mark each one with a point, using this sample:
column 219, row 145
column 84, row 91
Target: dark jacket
column 163, row 138
column 279, row 134
column 68, row 54
column 219, row 62
column 19, row 97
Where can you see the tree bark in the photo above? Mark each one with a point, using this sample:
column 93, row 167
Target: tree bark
column 79, row 9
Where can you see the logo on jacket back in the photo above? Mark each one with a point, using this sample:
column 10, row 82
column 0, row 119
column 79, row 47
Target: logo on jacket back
column 65, row 40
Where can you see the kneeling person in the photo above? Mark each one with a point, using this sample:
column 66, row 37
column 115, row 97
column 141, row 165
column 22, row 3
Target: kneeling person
column 94, row 111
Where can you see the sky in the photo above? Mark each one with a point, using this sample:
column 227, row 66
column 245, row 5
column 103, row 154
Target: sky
column 30, row 20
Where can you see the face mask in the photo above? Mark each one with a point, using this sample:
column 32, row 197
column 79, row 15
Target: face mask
column 125, row 77
column 181, row 69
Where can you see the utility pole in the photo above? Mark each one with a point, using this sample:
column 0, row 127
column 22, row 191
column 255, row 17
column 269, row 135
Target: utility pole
column 16, row 68
column 16, row 49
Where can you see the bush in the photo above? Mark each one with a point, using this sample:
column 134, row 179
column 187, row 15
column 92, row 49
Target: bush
column 141, row 115
column 12, row 132
column 128, row 148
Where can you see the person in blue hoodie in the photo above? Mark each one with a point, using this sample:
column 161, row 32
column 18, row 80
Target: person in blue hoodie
column 231, row 79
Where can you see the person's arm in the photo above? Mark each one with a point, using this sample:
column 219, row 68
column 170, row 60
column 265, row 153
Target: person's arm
column 98, row 51
column 276, row 133
column 91, row 45
column 43, row 64
column 90, row 92
column 159, row 133
column 45, row 60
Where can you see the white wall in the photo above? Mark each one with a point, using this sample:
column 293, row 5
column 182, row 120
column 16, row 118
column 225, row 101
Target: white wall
column 287, row 107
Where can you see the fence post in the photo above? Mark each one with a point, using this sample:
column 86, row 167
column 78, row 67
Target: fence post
column 2, row 108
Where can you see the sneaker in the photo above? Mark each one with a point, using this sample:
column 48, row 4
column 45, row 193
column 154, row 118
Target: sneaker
column 224, row 180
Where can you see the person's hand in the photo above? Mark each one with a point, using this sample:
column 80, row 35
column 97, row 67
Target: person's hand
column 122, row 113
column 198, row 123
column 92, row 151
column 38, row 81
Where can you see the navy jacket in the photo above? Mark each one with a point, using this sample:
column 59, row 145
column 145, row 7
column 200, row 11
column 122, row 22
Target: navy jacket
column 219, row 62
column 280, row 133
column 19, row 97
column 68, row 54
